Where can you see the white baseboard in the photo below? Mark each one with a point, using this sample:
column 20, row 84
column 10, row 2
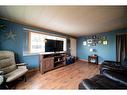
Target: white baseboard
column 100, row 63
column 33, row 70
column 87, row 61
column 84, row 60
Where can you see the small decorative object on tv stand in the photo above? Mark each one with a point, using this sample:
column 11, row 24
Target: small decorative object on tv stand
column 51, row 61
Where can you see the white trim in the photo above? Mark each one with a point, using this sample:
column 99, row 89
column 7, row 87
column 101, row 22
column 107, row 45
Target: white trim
column 99, row 63
column 30, row 54
column 84, row 60
column 41, row 32
column 73, row 47
column 87, row 61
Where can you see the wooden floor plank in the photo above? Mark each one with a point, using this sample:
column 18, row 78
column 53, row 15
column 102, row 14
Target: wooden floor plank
column 67, row 77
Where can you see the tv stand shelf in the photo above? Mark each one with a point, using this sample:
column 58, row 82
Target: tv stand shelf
column 52, row 61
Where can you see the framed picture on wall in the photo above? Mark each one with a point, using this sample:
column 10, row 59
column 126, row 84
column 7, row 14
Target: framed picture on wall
column 105, row 42
column 94, row 37
column 89, row 41
column 84, row 43
column 100, row 42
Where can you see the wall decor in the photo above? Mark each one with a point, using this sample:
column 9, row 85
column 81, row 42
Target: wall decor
column 10, row 35
column 89, row 41
column 105, row 42
column 94, row 37
column 88, row 45
column 93, row 44
column 100, row 42
column 92, row 50
column 84, row 43
column 104, row 38
column 94, row 40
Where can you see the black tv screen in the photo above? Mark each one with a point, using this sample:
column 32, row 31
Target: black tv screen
column 59, row 46
column 53, row 45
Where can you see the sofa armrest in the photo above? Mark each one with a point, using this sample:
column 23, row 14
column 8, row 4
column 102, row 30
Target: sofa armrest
column 88, row 84
column 1, row 79
column 22, row 64
column 115, row 62
column 117, row 69
column 116, row 76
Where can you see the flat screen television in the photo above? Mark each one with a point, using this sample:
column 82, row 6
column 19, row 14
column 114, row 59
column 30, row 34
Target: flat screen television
column 53, row 45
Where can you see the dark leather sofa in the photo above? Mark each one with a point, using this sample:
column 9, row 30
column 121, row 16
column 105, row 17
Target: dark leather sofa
column 114, row 65
column 113, row 75
column 107, row 80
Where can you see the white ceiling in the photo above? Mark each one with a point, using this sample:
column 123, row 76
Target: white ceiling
column 71, row 20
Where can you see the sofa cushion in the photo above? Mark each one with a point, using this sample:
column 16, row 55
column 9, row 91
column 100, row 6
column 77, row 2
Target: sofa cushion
column 16, row 73
column 101, row 82
column 8, row 69
column 116, row 76
column 7, row 61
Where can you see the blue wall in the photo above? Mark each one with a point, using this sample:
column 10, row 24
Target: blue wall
column 17, row 44
column 105, row 52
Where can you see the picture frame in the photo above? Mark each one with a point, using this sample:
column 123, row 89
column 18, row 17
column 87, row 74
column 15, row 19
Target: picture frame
column 99, row 41
column 105, row 42
column 84, row 43
column 94, row 37
column 89, row 41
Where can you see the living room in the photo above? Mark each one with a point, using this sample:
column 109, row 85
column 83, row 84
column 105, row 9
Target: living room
column 63, row 47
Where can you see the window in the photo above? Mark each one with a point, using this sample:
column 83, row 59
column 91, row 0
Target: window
column 37, row 42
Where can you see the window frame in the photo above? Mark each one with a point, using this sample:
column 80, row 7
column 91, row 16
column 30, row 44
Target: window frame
column 61, row 37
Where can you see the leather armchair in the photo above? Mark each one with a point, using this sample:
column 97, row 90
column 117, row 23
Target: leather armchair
column 9, row 68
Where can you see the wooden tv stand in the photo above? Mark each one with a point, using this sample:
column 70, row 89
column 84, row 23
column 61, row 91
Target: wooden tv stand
column 50, row 61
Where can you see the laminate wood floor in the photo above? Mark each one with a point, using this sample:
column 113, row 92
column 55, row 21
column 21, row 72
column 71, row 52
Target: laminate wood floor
column 67, row 77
